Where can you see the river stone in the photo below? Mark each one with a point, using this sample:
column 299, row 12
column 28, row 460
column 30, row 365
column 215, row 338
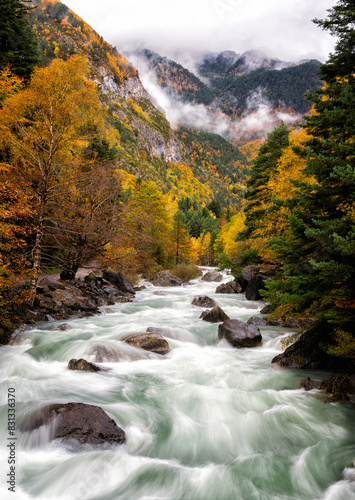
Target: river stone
column 83, row 422
column 230, row 287
column 51, row 284
column 240, row 334
column 66, row 298
column 212, row 276
column 257, row 321
column 119, row 281
column 215, row 315
column 153, row 342
column 306, row 384
column 203, row 301
column 157, row 329
column 63, row 327
column 83, row 365
column 165, row 278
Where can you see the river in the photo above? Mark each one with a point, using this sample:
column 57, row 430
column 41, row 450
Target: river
column 205, row 422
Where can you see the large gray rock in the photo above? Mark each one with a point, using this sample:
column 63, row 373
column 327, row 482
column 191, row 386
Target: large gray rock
column 215, row 315
column 203, row 301
column 165, row 278
column 153, row 342
column 254, row 320
column 239, row 334
column 230, row 287
column 212, row 276
column 119, row 281
column 83, row 422
column 308, row 351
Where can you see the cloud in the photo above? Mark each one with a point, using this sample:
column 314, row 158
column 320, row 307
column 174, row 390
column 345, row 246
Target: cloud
column 260, row 118
column 281, row 29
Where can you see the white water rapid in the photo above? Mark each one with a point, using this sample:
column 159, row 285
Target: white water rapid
column 204, row 422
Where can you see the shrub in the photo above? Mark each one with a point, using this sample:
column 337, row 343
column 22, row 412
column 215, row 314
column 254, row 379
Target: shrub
column 186, row 272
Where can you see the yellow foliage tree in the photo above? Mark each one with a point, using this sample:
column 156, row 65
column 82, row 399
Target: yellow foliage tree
column 47, row 125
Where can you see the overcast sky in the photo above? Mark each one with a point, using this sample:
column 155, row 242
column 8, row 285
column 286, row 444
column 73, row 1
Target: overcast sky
column 280, row 28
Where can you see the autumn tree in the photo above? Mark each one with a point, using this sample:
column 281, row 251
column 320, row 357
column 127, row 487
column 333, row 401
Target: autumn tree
column 47, row 125
column 180, row 238
column 142, row 237
column 83, row 217
column 258, row 195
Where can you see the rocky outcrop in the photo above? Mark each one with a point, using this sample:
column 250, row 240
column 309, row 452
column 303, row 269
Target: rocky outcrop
column 212, row 276
column 82, row 422
column 239, row 334
column 230, row 287
column 119, row 281
column 83, row 365
column 339, row 386
column 267, row 309
column 252, row 281
column 299, row 323
column 215, row 315
column 153, row 342
column 57, row 300
column 203, row 301
column 165, row 279
column 309, row 351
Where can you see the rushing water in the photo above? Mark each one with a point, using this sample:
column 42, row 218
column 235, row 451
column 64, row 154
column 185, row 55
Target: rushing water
column 205, row 422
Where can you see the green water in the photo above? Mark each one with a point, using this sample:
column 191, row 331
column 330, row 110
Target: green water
column 205, row 422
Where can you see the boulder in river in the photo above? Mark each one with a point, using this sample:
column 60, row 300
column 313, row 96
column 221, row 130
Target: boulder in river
column 215, row 315
column 339, row 386
column 230, row 287
column 254, row 320
column 212, row 276
column 83, row 422
column 306, row 384
column 309, row 351
column 203, row 301
column 63, row 327
column 119, row 281
column 239, row 334
column 83, row 365
column 165, row 278
column 153, row 342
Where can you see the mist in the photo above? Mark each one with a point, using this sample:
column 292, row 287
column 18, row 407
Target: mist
column 258, row 119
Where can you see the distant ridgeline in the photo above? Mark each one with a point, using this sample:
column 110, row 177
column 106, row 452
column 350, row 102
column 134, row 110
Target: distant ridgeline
column 232, row 79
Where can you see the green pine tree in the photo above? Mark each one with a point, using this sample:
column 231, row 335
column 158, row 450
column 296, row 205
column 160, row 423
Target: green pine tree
column 18, row 44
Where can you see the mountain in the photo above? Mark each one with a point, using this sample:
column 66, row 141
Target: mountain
column 237, row 84
column 178, row 80
column 148, row 148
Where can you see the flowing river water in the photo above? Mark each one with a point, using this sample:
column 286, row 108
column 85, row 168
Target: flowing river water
column 205, row 422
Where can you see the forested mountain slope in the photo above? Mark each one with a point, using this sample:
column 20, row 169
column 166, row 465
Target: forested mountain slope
column 148, row 149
